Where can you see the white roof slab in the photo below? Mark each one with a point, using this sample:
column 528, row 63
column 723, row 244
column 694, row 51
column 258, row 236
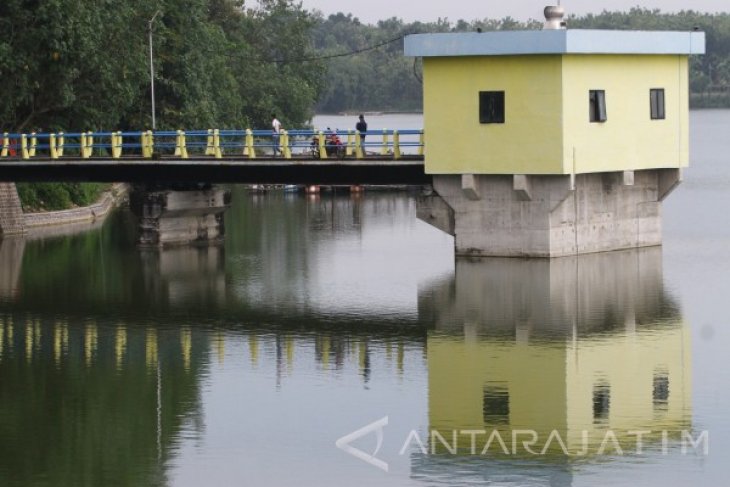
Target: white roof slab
column 564, row 41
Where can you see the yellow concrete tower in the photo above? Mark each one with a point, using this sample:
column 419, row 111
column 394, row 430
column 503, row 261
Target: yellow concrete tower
column 553, row 142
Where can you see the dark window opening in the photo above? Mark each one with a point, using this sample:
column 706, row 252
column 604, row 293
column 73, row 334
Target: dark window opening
column 495, row 405
column 660, row 392
column 601, row 401
column 597, row 105
column 656, row 100
column 491, row 107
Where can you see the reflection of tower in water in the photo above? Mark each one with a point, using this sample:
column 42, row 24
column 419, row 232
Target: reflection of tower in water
column 584, row 347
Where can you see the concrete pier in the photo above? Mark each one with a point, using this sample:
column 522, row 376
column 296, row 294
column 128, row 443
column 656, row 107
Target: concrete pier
column 11, row 212
column 549, row 216
column 174, row 217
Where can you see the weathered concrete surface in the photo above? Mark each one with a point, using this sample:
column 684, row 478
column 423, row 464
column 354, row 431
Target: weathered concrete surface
column 551, row 216
column 11, row 262
column 11, row 212
column 168, row 217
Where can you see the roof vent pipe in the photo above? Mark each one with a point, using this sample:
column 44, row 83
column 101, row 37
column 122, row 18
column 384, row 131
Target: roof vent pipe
column 554, row 18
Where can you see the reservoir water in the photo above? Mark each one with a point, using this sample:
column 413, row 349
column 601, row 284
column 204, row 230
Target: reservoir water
column 334, row 324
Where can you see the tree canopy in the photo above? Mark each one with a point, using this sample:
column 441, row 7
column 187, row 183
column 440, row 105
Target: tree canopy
column 383, row 79
column 84, row 64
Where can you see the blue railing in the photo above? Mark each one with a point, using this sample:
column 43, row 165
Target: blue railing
column 214, row 143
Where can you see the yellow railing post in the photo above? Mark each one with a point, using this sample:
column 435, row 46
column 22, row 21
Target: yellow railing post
column 396, row 145
column 148, row 144
column 82, row 145
column 349, row 148
column 181, row 148
column 6, row 145
column 422, row 143
column 24, row 146
column 143, row 143
column 249, row 150
column 384, row 148
column 358, row 146
column 209, row 150
column 322, row 146
column 151, row 142
column 116, row 145
column 52, row 146
column 89, row 144
column 285, row 144
column 60, row 142
column 33, row 144
column 217, row 144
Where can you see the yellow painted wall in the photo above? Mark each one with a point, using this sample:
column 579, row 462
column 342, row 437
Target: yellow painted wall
column 551, row 386
column 629, row 139
column 546, row 114
column 457, row 143
column 628, row 364
column 458, row 372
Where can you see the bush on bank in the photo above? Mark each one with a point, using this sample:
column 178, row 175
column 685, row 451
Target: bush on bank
column 58, row 196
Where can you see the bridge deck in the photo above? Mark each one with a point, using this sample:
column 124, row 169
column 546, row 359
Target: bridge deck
column 370, row 170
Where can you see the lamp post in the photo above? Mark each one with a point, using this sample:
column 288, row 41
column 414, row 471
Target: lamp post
column 152, row 70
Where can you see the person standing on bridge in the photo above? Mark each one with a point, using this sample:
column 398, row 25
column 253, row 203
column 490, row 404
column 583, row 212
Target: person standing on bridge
column 276, row 126
column 362, row 127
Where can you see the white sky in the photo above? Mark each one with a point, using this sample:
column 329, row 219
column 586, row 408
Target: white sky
column 370, row 11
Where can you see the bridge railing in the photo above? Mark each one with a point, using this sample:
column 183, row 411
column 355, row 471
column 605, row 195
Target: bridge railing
column 216, row 144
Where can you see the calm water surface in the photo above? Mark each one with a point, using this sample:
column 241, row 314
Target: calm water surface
column 244, row 364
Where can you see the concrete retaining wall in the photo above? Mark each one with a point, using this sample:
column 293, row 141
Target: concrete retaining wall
column 78, row 215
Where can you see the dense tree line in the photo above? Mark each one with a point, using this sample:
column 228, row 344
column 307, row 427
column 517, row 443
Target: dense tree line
column 84, row 64
column 383, row 79
column 80, row 65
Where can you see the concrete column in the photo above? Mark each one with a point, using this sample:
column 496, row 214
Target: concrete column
column 548, row 215
column 179, row 217
column 11, row 213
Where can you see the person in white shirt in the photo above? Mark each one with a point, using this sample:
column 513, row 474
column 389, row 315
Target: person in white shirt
column 276, row 126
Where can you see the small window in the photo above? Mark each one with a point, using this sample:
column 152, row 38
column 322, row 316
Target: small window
column 495, row 405
column 601, row 401
column 656, row 99
column 660, row 390
column 597, row 105
column 491, row 107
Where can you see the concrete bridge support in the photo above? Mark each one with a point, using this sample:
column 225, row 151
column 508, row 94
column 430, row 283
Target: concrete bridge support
column 179, row 217
column 549, row 216
column 11, row 213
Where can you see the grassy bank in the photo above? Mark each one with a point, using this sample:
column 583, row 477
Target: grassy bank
column 37, row 197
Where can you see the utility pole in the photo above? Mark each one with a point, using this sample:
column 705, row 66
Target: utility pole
column 152, row 70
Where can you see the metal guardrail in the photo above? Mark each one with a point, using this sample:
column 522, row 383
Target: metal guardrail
column 214, row 143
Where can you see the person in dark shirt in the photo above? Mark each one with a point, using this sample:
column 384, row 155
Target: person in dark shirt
column 362, row 127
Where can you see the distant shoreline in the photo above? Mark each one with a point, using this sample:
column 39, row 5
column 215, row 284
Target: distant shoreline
column 368, row 113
